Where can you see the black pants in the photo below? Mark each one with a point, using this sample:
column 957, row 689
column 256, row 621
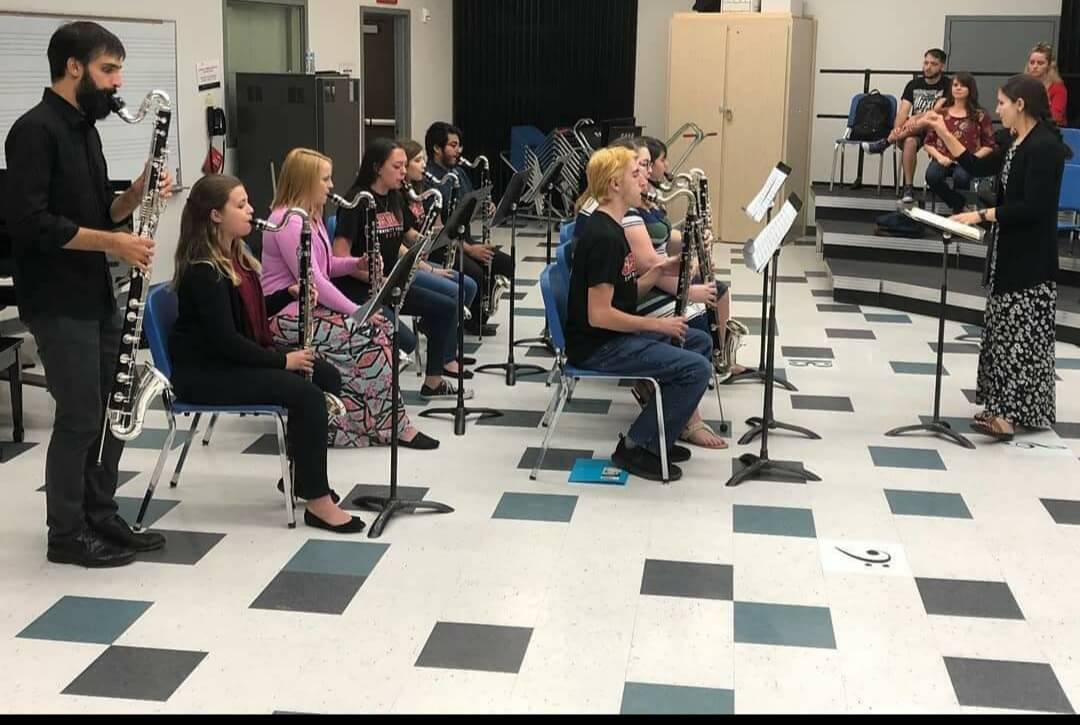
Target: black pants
column 79, row 357
column 262, row 386
column 501, row 264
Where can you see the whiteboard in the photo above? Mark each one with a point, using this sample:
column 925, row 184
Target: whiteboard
column 150, row 65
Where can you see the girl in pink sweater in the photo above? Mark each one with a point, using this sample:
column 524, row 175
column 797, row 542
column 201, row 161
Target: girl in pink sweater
column 362, row 355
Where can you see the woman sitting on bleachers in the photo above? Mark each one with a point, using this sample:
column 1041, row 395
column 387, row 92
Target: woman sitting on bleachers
column 969, row 123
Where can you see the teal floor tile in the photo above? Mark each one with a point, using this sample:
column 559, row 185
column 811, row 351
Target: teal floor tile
column 85, row 619
column 343, row 558
column 784, row 625
column 129, row 509
column 775, row 521
column 641, row 698
column 917, row 368
column 154, row 438
column 886, row 318
column 925, row 459
column 927, row 503
column 535, row 507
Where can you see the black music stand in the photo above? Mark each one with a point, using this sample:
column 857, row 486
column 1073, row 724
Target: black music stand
column 546, row 188
column 936, row 425
column 507, row 211
column 390, row 295
column 758, row 375
column 755, row 467
column 454, row 232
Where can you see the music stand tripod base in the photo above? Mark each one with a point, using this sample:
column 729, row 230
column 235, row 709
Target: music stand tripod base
column 758, row 467
column 388, row 507
column 756, row 429
column 757, row 376
column 940, row 427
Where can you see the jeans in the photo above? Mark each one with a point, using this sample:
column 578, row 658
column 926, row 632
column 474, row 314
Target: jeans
column 936, row 174
column 80, row 358
column 438, row 315
column 358, row 292
column 682, row 372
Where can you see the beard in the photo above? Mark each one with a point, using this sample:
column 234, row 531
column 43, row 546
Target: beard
column 94, row 102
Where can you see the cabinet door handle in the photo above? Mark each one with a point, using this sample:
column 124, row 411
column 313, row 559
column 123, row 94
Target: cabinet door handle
column 727, row 113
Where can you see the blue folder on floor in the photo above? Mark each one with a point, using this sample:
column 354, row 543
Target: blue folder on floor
column 588, row 470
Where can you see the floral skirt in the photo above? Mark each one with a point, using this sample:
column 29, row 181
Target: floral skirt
column 1017, row 363
column 362, row 357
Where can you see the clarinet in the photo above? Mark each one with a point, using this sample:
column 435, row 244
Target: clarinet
column 335, row 408
column 134, row 386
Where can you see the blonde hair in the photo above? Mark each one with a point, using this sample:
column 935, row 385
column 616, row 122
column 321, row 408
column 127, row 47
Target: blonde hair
column 1052, row 74
column 606, row 166
column 199, row 242
column 297, row 178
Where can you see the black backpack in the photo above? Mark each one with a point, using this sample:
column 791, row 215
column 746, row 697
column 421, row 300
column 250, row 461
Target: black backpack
column 895, row 224
column 871, row 118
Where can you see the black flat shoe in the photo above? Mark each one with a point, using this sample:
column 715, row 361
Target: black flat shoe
column 281, row 489
column 89, row 549
column 642, row 463
column 678, row 454
column 420, row 442
column 354, row 526
column 465, row 374
column 117, row 532
column 466, row 360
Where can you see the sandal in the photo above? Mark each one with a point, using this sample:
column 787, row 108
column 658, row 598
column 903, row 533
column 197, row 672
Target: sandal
column 699, row 427
column 989, row 427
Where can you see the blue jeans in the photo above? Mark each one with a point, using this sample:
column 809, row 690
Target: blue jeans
column 682, row 373
column 936, row 174
column 448, row 288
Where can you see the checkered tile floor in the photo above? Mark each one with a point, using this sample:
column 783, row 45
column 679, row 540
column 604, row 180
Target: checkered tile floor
column 915, row 577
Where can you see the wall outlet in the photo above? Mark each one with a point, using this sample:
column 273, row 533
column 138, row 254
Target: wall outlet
column 425, row 14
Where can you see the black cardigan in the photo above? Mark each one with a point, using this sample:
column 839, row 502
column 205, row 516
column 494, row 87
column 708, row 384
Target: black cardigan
column 208, row 331
column 1027, row 246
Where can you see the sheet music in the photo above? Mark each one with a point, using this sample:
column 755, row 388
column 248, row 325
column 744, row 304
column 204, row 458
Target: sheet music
column 757, row 252
column 945, row 224
column 756, row 209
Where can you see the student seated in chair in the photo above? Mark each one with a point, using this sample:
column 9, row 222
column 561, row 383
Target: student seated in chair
column 604, row 333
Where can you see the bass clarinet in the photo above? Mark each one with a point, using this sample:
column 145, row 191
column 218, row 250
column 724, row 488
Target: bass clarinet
column 135, row 386
column 335, row 408
column 682, row 292
column 494, row 285
column 374, row 252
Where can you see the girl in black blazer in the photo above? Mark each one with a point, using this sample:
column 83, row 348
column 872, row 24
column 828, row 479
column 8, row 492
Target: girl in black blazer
column 1016, row 382
column 221, row 347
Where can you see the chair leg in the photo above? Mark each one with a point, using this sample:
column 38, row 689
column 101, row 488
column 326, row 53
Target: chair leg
column 184, row 453
column 15, row 383
column 843, row 163
column 158, row 467
column 880, row 173
column 563, row 397
column 416, row 353
column 665, row 472
column 286, row 474
column 209, row 429
column 832, row 176
column 573, row 388
column 551, row 404
column 895, row 172
column 719, row 400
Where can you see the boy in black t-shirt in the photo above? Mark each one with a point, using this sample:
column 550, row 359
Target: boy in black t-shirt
column 604, row 333
column 920, row 96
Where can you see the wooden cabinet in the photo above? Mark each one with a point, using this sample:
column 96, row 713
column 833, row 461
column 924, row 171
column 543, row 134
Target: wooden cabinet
column 748, row 77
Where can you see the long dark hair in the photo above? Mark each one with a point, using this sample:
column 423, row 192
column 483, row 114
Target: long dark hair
column 199, row 233
column 1036, row 102
column 967, row 81
column 376, row 155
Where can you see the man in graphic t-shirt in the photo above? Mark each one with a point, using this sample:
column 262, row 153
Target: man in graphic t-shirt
column 605, row 333
column 920, row 95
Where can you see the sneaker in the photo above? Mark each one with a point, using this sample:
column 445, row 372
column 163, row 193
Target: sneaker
column 639, row 461
column 875, row 147
column 908, row 195
column 445, row 391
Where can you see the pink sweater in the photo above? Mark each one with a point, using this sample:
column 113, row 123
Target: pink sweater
column 281, row 265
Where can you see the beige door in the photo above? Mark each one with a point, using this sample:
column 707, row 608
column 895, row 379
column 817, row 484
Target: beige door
column 696, row 88
column 751, row 110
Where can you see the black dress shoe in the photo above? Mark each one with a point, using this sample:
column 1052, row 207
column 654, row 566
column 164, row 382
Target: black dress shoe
column 641, row 462
column 474, row 329
column 354, row 525
column 333, row 494
column 90, row 550
column 420, row 442
column 466, row 360
column 465, row 374
column 678, row 454
column 117, row 532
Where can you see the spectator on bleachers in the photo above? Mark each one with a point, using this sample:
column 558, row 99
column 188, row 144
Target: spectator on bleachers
column 920, row 95
column 1041, row 65
column 967, row 121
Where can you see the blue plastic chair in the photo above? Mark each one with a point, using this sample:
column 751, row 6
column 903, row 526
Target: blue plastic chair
column 566, row 231
column 331, row 227
column 1069, row 202
column 555, row 287
column 1072, row 138
column 842, row 143
column 158, row 322
column 564, row 256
